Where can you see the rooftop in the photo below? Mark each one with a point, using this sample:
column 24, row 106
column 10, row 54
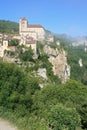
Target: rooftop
column 35, row 26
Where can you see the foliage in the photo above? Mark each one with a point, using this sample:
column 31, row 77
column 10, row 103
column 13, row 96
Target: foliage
column 27, row 55
column 9, row 53
column 63, row 118
column 27, row 122
column 8, row 27
column 72, row 95
column 16, row 89
column 40, row 46
column 77, row 72
column 83, row 113
column 53, row 45
column 56, row 106
column 13, row 42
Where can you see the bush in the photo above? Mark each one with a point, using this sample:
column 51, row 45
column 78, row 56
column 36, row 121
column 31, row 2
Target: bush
column 63, row 118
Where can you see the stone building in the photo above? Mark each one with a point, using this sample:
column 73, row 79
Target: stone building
column 4, row 46
column 28, row 36
column 33, row 30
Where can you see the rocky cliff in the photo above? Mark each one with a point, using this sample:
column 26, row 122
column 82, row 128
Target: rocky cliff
column 58, row 58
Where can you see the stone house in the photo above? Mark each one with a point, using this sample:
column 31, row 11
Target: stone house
column 4, row 46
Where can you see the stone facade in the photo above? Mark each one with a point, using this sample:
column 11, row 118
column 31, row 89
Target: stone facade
column 35, row 31
column 4, row 46
column 29, row 34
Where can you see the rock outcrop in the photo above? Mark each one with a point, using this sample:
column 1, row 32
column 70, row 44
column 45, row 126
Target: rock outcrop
column 58, row 58
column 42, row 73
column 50, row 51
column 80, row 62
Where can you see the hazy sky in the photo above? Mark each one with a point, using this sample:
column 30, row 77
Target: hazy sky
column 58, row 16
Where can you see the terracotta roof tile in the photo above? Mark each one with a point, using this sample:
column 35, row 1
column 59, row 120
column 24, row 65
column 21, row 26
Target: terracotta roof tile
column 35, row 26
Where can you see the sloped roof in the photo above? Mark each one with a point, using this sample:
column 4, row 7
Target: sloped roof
column 35, row 26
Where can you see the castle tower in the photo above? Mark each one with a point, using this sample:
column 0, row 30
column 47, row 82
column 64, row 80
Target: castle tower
column 22, row 25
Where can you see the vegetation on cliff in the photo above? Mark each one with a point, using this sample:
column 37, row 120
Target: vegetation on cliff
column 58, row 107
column 74, row 55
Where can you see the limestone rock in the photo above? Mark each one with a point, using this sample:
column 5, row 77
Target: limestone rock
column 42, row 73
column 50, row 51
column 80, row 62
column 59, row 62
column 41, row 85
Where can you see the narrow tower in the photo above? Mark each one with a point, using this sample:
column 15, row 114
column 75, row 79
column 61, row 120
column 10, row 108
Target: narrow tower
column 22, row 25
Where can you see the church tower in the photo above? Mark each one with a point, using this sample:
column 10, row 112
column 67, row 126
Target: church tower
column 22, row 25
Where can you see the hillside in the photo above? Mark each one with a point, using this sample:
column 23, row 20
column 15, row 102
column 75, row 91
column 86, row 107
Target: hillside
column 23, row 102
column 76, row 56
column 8, row 27
column 45, row 90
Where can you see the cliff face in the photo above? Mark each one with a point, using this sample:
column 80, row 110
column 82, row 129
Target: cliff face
column 59, row 62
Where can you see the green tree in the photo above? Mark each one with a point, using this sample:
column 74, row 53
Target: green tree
column 77, row 72
column 27, row 55
column 63, row 118
column 13, row 42
column 16, row 88
column 83, row 113
column 73, row 94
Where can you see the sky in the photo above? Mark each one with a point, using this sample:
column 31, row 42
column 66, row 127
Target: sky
column 58, row 16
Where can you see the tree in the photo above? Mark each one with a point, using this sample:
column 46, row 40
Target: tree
column 83, row 113
column 27, row 55
column 74, row 54
column 13, row 42
column 63, row 118
column 16, row 88
column 73, row 94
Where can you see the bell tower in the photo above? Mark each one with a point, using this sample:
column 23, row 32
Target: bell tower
column 22, row 25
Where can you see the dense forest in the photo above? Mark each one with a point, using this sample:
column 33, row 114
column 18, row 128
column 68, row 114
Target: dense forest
column 8, row 27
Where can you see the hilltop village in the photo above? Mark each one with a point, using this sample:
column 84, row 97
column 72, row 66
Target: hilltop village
column 42, row 76
column 15, row 48
column 28, row 35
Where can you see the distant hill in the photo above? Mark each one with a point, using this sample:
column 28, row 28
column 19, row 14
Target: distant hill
column 8, row 27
